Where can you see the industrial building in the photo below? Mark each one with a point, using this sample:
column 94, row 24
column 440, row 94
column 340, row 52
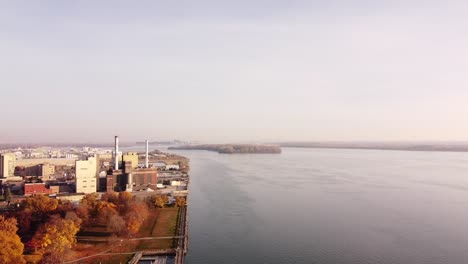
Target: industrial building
column 131, row 157
column 128, row 176
column 7, row 165
column 45, row 171
column 86, row 181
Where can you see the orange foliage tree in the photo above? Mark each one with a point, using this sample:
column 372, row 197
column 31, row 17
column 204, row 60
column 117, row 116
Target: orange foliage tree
column 111, row 197
column 135, row 216
column 36, row 211
column 90, row 201
column 180, row 201
column 160, row 200
column 39, row 206
column 83, row 213
column 105, row 211
column 11, row 248
column 116, row 225
column 56, row 236
column 125, row 201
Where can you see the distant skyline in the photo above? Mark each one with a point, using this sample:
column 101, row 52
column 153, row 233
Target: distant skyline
column 233, row 71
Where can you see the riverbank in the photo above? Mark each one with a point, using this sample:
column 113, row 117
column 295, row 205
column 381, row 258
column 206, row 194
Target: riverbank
column 406, row 146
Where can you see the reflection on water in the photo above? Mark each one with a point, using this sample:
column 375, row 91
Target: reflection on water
column 328, row 206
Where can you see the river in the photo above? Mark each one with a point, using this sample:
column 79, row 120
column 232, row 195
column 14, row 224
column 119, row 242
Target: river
column 328, row 206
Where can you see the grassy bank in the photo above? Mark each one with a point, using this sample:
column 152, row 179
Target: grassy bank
column 160, row 223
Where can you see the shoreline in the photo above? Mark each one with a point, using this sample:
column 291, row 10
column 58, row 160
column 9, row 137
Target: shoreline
column 427, row 148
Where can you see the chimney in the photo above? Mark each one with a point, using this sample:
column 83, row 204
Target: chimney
column 146, row 159
column 116, row 152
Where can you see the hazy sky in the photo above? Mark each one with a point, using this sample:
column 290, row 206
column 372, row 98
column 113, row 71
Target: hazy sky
column 84, row 71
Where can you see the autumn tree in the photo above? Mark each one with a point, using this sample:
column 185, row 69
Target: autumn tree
column 82, row 211
column 125, row 201
column 105, row 211
column 160, row 200
column 133, row 224
column 56, row 236
column 111, row 197
column 125, row 197
column 116, row 225
column 8, row 225
column 135, row 216
column 180, row 201
column 11, row 249
column 24, row 222
column 36, row 212
column 70, row 215
column 64, row 207
column 90, row 201
column 142, row 208
column 39, row 206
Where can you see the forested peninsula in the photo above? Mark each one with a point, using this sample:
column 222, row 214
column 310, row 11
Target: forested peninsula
column 234, row 148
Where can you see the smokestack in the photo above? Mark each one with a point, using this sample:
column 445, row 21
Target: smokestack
column 116, row 152
column 146, row 159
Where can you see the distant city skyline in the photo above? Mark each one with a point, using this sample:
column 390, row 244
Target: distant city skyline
column 233, row 71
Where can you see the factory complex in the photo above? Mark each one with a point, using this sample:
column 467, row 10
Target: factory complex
column 70, row 173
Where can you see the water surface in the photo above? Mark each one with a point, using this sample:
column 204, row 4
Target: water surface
column 328, row 206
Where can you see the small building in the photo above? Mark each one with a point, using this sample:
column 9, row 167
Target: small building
column 71, row 156
column 36, row 188
column 172, row 167
column 72, row 197
column 45, row 170
column 160, row 165
column 175, row 183
column 61, row 188
column 104, row 156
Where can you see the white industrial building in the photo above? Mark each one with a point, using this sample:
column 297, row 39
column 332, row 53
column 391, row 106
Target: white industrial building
column 86, row 181
column 7, row 165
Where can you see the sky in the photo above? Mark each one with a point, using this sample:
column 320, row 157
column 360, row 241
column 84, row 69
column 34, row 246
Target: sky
column 233, row 71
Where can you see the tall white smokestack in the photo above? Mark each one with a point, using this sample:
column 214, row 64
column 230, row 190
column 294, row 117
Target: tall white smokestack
column 116, row 152
column 147, row 153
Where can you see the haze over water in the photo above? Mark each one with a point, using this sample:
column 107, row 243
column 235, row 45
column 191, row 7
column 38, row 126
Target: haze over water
column 328, row 206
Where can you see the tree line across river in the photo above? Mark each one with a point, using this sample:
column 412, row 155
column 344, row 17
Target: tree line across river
column 234, row 148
